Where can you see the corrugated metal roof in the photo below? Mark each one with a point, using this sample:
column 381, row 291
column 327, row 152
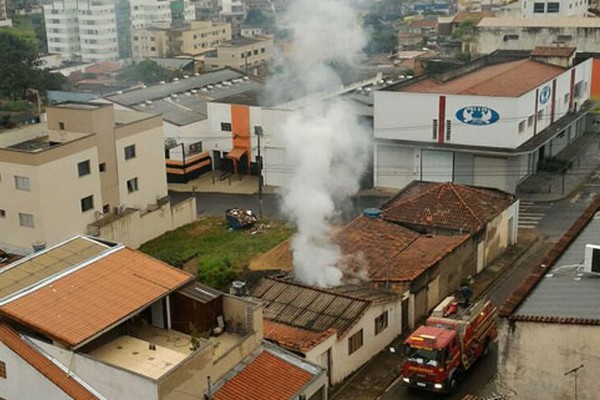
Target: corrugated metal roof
column 85, row 302
column 200, row 292
column 307, row 308
column 564, row 292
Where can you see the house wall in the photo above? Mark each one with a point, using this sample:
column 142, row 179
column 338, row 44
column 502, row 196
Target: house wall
column 112, row 382
column 530, row 366
column 498, row 235
column 136, row 228
column 189, row 380
column 567, row 8
column 343, row 364
column 488, row 39
column 54, row 196
column 25, row 382
column 254, row 54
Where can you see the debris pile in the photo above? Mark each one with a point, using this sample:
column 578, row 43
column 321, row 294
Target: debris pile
column 239, row 218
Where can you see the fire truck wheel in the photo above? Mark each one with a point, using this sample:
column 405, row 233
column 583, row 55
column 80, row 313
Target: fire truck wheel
column 486, row 347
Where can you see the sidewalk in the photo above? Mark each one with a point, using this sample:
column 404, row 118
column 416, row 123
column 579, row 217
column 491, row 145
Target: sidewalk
column 584, row 154
column 371, row 381
column 213, row 183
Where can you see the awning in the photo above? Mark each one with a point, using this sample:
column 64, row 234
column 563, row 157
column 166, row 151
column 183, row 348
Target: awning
column 236, row 153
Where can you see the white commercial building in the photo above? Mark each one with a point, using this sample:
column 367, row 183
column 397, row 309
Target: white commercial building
column 487, row 124
column 493, row 34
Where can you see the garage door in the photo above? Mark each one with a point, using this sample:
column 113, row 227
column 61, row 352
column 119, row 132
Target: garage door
column 437, row 166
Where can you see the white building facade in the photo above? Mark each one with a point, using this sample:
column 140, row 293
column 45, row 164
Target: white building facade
column 488, row 127
column 554, row 8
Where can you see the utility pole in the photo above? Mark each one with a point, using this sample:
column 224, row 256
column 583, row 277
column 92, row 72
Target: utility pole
column 258, row 131
column 574, row 373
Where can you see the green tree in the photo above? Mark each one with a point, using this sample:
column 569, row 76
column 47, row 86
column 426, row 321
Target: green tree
column 20, row 60
column 383, row 39
column 147, row 71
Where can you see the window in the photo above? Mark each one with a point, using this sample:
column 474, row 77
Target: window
column 578, row 89
column 61, row 125
column 566, row 98
column 2, row 370
column 448, row 129
column 26, row 220
column 381, row 323
column 102, row 167
column 226, row 126
column 106, row 208
column 506, row 38
column 256, row 52
column 530, row 120
column 355, row 342
column 22, row 183
column 83, row 168
column 521, row 126
column 538, row 8
column 129, row 151
column 434, row 131
column 87, row 203
column 2, row 213
column 540, row 115
column 132, row 185
column 262, row 50
column 553, row 7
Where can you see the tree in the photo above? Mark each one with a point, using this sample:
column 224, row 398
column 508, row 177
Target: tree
column 147, row 71
column 19, row 66
column 383, row 39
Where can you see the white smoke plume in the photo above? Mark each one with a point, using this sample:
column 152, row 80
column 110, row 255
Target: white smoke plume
column 325, row 144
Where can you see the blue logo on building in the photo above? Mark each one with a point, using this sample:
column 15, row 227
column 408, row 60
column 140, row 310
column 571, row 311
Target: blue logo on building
column 477, row 115
column 545, row 94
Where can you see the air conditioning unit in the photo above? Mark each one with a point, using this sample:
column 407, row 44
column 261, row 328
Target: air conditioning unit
column 591, row 262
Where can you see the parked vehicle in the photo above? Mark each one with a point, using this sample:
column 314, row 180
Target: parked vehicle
column 454, row 336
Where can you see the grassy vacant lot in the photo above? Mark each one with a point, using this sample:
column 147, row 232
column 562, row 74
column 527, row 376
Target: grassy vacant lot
column 222, row 254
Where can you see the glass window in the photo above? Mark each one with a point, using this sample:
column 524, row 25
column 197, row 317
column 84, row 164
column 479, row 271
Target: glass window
column 22, row 183
column 130, row 152
column 538, row 7
column 87, row 203
column 132, row 185
column 83, row 168
column 553, row 7
column 381, row 323
column 521, row 126
column 26, row 220
column 226, row 126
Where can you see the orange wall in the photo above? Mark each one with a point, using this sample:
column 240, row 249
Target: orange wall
column 240, row 127
column 595, row 93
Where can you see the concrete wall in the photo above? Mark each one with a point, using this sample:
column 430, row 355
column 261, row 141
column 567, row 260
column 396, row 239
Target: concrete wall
column 25, row 382
column 112, row 382
column 567, row 8
column 342, row 363
column 189, row 380
column 488, row 39
column 533, row 358
column 500, row 233
column 134, row 228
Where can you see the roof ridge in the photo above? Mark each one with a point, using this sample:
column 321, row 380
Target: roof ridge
column 453, row 188
column 324, row 291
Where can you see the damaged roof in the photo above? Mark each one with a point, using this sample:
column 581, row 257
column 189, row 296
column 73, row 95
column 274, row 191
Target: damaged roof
column 308, row 308
column 294, row 338
column 447, row 206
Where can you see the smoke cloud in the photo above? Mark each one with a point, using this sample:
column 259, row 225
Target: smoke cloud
column 326, row 146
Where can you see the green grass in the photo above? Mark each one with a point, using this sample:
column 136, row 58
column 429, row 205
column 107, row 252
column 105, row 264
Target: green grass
column 222, row 254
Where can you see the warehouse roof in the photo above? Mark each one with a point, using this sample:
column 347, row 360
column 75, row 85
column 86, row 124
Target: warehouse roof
column 509, row 79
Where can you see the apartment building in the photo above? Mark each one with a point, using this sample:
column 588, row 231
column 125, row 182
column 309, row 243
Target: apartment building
column 488, row 123
column 121, row 323
column 245, row 54
column 100, row 30
column 555, row 8
column 86, row 164
column 162, row 40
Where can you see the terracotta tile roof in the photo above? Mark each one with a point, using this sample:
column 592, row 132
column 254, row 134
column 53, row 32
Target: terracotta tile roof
column 266, row 377
column 418, row 257
column 85, row 302
column 446, row 206
column 293, row 338
column 553, row 51
column 424, row 23
column 306, row 307
column 371, row 242
column 510, row 79
column 103, row 67
column 43, row 365
column 525, row 288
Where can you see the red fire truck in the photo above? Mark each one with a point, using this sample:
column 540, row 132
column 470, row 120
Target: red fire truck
column 454, row 336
